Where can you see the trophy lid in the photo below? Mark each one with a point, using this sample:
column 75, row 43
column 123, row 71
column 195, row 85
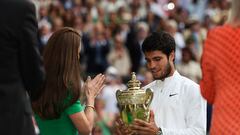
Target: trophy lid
column 134, row 84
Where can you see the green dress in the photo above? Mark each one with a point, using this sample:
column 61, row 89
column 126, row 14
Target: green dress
column 61, row 126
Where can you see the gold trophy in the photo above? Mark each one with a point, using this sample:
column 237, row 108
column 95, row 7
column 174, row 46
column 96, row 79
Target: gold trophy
column 134, row 102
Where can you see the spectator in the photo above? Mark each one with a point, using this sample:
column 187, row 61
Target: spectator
column 188, row 67
column 97, row 48
column 172, row 28
column 102, row 121
column 134, row 42
column 119, row 57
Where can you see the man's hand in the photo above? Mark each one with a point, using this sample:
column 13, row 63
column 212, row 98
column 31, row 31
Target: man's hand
column 121, row 128
column 141, row 127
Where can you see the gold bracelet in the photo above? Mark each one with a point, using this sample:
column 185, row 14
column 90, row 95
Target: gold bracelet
column 91, row 106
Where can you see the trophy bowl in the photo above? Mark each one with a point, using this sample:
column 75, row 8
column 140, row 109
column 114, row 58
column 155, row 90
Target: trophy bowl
column 134, row 102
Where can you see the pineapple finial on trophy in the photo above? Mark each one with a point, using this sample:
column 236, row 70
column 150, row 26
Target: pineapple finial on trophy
column 134, row 84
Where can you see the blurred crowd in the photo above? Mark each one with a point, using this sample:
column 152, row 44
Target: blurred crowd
column 112, row 33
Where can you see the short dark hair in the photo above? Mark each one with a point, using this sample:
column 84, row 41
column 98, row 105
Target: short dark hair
column 159, row 41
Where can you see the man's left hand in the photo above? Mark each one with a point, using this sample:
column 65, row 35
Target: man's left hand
column 141, row 127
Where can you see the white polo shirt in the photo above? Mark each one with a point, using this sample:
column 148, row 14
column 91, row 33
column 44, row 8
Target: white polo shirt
column 178, row 106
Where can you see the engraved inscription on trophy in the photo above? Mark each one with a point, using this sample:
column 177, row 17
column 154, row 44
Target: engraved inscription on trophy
column 134, row 102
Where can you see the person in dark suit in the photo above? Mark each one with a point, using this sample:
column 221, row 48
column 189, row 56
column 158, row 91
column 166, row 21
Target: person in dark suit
column 20, row 66
column 134, row 42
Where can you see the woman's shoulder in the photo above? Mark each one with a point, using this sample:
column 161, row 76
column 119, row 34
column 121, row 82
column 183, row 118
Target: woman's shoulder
column 221, row 35
column 74, row 108
column 224, row 29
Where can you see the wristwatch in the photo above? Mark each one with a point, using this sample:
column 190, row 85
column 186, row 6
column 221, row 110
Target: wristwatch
column 159, row 131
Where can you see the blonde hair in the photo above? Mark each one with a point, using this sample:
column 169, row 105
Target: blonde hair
column 234, row 12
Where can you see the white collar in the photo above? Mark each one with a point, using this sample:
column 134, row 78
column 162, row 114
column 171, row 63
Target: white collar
column 167, row 81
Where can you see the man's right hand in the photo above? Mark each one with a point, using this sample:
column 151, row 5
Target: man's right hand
column 121, row 128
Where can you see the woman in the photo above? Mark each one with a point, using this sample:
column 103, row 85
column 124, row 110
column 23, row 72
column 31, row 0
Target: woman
column 58, row 111
column 220, row 66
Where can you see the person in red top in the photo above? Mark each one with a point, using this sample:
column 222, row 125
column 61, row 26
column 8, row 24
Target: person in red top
column 220, row 84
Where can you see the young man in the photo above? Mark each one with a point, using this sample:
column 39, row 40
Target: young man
column 177, row 103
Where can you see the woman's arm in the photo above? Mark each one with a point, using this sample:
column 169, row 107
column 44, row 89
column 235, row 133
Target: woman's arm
column 84, row 121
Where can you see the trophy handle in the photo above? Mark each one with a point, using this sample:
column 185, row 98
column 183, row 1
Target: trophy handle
column 117, row 95
column 149, row 97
